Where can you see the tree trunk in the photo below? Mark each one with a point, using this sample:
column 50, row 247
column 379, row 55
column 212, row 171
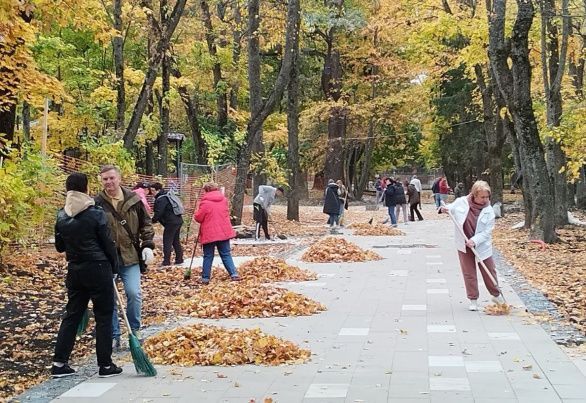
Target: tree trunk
column 293, row 140
column 164, row 113
column 332, row 87
column 257, row 120
column 219, row 84
column 153, row 66
column 495, row 135
column 149, row 159
column 581, row 190
column 7, row 122
column 118, row 53
column 236, row 50
column 553, row 70
column 26, row 122
column 515, row 85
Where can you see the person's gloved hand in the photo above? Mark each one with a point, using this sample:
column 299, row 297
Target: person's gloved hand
column 148, row 256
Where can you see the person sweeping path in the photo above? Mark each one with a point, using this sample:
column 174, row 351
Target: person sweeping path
column 474, row 215
column 168, row 212
column 82, row 232
column 332, row 203
column 262, row 207
column 215, row 231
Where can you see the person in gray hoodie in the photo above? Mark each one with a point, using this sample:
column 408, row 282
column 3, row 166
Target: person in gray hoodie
column 82, row 232
column 262, row 207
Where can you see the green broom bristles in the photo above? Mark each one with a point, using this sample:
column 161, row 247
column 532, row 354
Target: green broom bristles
column 142, row 364
column 85, row 319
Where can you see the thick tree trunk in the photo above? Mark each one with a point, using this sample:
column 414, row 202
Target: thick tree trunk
column 118, row 53
column 581, row 189
column 149, row 159
column 164, row 113
column 293, row 140
column 236, row 50
column 153, row 66
column 553, row 63
column 494, row 132
column 332, row 86
column 257, row 120
column 219, row 84
column 515, row 86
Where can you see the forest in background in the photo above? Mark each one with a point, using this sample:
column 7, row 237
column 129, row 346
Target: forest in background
column 335, row 88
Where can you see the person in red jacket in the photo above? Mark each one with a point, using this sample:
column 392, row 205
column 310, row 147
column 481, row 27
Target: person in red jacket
column 444, row 189
column 215, row 231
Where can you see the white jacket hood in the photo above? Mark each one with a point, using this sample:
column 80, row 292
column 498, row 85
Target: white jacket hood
column 76, row 202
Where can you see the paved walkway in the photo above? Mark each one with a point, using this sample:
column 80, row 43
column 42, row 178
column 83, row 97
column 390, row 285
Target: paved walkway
column 396, row 330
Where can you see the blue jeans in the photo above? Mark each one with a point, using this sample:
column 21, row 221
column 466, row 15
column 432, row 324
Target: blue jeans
column 334, row 219
column 436, row 198
column 208, row 258
column 130, row 276
column 392, row 214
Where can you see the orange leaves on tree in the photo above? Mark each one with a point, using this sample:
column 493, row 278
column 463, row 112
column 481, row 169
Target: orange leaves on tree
column 337, row 250
column 209, row 345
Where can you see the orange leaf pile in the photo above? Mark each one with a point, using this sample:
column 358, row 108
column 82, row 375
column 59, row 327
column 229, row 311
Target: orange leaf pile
column 244, row 300
column 209, row 345
column 374, row 230
column 269, row 269
column 497, row 309
column 337, row 250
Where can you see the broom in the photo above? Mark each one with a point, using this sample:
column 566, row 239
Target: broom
column 85, row 319
column 142, row 364
column 187, row 273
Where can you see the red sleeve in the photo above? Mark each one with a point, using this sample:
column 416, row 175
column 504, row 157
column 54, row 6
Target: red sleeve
column 200, row 213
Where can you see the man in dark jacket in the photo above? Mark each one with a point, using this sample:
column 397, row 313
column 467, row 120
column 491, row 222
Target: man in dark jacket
column 172, row 223
column 82, row 232
column 126, row 213
column 390, row 201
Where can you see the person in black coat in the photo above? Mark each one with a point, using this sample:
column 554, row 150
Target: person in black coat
column 332, row 203
column 82, row 232
column 171, row 222
column 390, row 201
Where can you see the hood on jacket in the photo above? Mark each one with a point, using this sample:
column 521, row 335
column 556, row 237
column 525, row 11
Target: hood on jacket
column 76, row 202
column 213, row 196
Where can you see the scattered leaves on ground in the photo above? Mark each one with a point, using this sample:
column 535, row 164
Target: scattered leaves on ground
column 209, row 345
column 337, row 250
column 374, row 230
column 243, row 300
column 497, row 309
column 559, row 271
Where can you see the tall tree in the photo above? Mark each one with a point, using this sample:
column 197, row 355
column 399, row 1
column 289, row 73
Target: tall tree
column 282, row 80
column 293, row 140
column 162, row 45
column 118, row 52
column 553, row 62
column 514, row 83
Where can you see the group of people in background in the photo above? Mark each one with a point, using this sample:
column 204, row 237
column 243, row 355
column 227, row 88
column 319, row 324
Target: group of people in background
column 335, row 202
column 396, row 195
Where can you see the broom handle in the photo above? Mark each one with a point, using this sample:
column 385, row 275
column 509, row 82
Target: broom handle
column 121, row 307
column 473, row 249
column 194, row 248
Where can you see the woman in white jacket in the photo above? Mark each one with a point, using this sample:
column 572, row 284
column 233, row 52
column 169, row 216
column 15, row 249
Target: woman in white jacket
column 474, row 214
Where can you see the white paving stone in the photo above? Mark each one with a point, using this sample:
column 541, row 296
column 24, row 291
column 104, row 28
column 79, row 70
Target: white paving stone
column 89, row 389
column 434, row 263
column 433, row 256
column 441, row 329
column 354, row 331
column 504, row 336
column 326, row 390
column 414, row 307
column 441, row 383
column 438, row 291
column 436, row 281
column 403, row 251
column 446, row 361
column 399, row 273
column 313, row 284
column 483, row 366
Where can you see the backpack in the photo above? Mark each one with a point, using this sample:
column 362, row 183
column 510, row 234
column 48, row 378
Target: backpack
column 176, row 203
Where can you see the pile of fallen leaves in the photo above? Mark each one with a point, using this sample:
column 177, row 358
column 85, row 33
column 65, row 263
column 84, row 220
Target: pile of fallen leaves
column 243, row 300
column 374, row 229
column 209, row 345
column 497, row 309
column 559, row 270
column 268, row 269
column 32, row 300
column 337, row 250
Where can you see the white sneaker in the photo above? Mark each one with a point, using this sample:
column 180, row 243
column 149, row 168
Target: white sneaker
column 473, row 305
column 498, row 299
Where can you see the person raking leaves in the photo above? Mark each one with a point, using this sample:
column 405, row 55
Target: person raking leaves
column 474, row 219
column 82, row 232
